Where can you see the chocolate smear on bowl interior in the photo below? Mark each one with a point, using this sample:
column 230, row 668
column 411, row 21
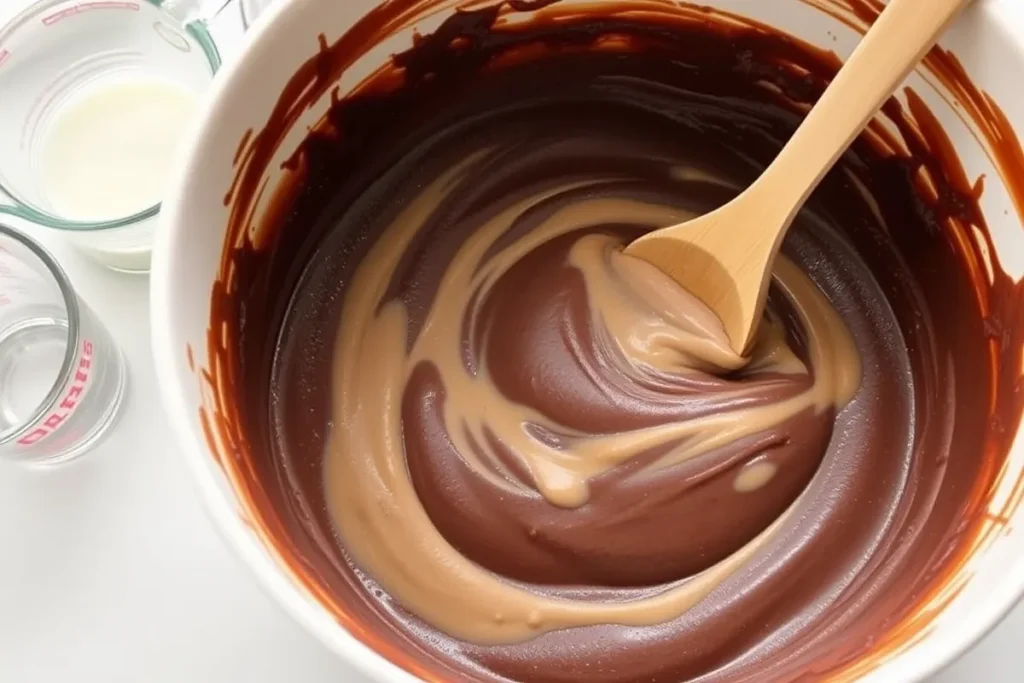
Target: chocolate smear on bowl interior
column 497, row 448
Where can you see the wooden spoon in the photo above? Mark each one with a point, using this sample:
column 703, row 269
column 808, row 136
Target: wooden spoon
column 725, row 257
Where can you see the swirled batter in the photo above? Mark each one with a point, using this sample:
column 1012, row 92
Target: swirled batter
column 542, row 359
column 501, row 449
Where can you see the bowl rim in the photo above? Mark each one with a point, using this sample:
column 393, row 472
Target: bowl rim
column 272, row 578
column 916, row 663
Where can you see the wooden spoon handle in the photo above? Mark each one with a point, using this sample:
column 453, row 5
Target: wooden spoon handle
column 900, row 37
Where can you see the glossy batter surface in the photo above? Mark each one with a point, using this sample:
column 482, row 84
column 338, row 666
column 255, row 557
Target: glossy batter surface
column 508, row 451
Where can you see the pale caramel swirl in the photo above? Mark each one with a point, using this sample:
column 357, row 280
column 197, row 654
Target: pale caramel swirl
column 650, row 330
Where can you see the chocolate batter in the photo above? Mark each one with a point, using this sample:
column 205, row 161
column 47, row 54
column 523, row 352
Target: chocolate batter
column 500, row 449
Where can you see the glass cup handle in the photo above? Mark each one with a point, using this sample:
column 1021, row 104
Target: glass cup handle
column 207, row 17
column 8, row 206
column 191, row 11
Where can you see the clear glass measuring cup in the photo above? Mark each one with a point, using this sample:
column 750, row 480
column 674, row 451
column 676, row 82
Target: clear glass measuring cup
column 49, row 54
column 62, row 378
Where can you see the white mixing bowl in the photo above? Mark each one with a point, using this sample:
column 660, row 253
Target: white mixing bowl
column 989, row 41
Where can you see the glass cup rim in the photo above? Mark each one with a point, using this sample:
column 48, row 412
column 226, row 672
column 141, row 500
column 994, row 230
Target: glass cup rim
column 199, row 33
column 70, row 301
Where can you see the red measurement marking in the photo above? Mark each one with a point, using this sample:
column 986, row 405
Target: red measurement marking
column 4, row 300
column 67, row 406
column 52, row 19
column 4, row 54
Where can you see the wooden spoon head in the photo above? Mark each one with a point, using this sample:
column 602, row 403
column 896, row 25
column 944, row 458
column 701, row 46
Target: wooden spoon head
column 718, row 261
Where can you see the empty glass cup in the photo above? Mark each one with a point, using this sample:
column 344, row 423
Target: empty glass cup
column 57, row 54
column 61, row 376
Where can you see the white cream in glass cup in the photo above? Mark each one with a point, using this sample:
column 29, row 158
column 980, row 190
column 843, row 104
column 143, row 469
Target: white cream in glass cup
column 94, row 96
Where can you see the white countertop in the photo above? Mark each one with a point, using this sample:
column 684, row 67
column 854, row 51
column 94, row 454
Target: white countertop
column 110, row 570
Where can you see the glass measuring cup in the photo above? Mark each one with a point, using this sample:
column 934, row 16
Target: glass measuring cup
column 61, row 376
column 54, row 51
